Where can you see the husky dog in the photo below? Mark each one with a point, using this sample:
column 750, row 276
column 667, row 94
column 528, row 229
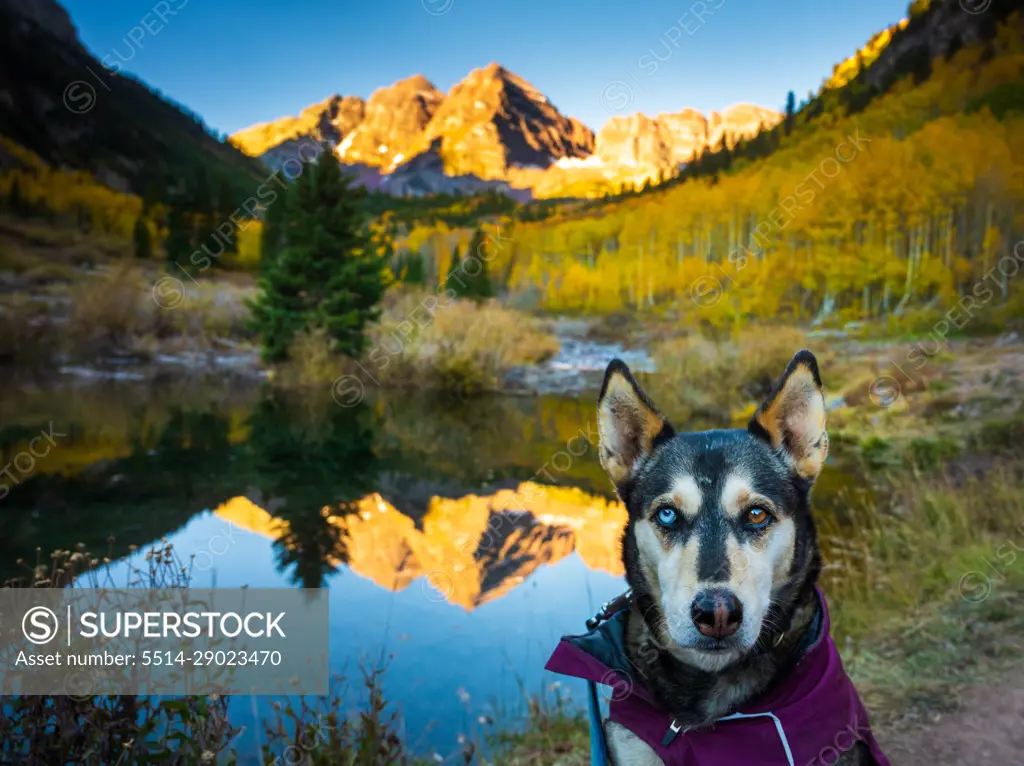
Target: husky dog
column 722, row 559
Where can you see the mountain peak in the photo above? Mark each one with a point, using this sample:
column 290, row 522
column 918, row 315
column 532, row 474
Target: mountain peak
column 393, row 122
column 493, row 120
column 412, row 83
column 328, row 120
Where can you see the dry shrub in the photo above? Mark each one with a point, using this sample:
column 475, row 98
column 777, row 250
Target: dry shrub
column 312, row 360
column 463, row 346
column 702, row 375
column 127, row 309
column 211, row 309
column 114, row 312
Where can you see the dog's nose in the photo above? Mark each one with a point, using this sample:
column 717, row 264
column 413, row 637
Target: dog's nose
column 716, row 613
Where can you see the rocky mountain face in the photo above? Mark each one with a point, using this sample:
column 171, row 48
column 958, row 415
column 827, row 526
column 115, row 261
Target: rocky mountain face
column 493, row 130
column 422, row 141
column 669, row 140
column 494, row 120
column 330, row 121
column 937, row 31
column 426, row 174
column 392, row 124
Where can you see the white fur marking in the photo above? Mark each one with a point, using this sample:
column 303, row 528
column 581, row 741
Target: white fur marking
column 688, row 495
column 627, row 749
column 736, row 494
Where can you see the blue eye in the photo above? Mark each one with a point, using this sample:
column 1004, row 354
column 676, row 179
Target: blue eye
column 667, row 516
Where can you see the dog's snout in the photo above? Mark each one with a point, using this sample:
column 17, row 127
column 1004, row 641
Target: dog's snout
column 717, row 613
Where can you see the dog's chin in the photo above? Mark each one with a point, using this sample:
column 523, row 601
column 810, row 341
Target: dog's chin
column 709, row 654
column 712, row 659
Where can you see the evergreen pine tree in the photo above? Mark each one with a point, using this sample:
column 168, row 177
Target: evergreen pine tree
column 226, row 207
column 723, row 155
column 477, row 276
column 790, row 111
column 272, row 233
column 178, row 247
column 456, row 278
column 329, row 274
column 202, row 216
column 141, row 239
column 414, row 270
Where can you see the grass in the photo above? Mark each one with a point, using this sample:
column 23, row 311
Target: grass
column 886, row 561
column 554, row 731
column 319, row 732
column 699, row 375
column 465, row 347
column 106, row 729
column 312, row 361
column 112, row 313
column 25, row 334
column 89, row 299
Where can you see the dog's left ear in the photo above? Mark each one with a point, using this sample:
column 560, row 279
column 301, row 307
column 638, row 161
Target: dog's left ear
column 628, row 423
column 792, row 418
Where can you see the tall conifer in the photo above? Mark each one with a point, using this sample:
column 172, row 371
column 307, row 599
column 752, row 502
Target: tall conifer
column 330, row 271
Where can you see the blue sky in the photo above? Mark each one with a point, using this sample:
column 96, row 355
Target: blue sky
column 238, row 62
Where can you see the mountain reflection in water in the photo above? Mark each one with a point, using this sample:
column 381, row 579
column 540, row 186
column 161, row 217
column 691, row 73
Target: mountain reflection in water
column 472, row 549
column 446, row 555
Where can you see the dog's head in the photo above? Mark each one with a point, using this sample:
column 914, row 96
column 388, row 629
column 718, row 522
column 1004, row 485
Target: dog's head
column 720, row 539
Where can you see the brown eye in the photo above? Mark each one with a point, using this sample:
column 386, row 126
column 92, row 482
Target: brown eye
column 757, row 518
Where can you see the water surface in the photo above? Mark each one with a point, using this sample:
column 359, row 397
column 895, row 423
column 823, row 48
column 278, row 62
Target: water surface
column 459, row 539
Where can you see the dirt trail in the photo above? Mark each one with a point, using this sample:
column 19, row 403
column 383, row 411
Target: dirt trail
column 987, row 730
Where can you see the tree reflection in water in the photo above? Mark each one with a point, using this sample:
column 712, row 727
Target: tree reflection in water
column 313, row 461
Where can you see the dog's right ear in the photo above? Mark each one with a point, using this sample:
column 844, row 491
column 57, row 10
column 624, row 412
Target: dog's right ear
column 792, row 418
column 628, row 423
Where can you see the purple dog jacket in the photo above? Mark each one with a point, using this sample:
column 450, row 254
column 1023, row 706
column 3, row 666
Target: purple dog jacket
column 809, row 719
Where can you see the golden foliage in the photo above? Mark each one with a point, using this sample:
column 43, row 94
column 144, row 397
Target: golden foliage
column 910, row 202
column 71, row 194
